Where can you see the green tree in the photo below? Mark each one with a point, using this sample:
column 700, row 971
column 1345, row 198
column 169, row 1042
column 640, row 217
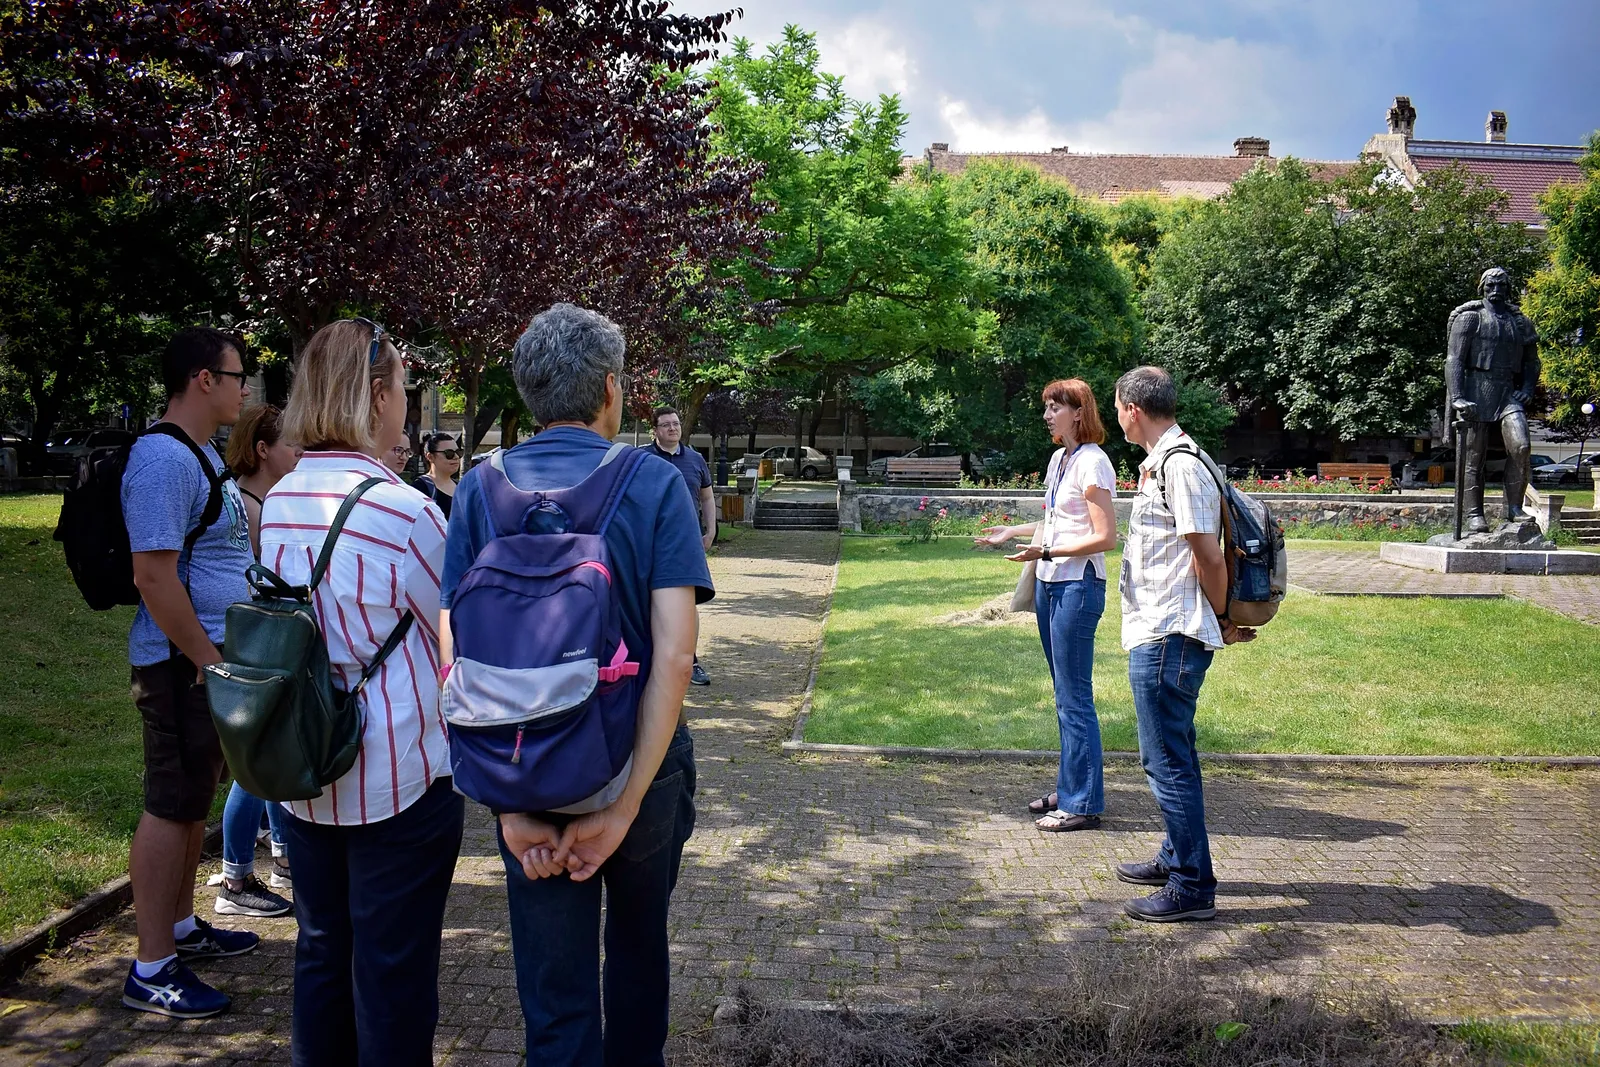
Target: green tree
column 94, row 284
column 1327, row 301
column 1564, row 297
column 1054, row 304
column 864, row 270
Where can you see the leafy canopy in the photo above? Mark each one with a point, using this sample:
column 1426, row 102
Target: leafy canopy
column 1564, row 297
column 1327, row 301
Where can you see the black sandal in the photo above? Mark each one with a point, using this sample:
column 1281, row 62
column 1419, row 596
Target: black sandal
column 1043, row 805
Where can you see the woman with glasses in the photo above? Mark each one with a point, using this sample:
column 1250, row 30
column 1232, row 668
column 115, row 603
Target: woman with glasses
column 397, row 458
column 444, row 465
column 374, row 854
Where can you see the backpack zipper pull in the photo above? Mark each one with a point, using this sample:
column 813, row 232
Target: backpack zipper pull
column 516, row 753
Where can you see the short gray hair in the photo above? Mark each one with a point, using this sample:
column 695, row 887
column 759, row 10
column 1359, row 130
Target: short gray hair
column 561, row 361
column 1151, row 390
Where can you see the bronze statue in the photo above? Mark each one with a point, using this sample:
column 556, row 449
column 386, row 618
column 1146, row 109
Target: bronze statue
column 1490, row 372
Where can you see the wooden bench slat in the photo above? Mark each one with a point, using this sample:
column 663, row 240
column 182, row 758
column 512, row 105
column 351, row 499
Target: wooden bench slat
column 1365, row 473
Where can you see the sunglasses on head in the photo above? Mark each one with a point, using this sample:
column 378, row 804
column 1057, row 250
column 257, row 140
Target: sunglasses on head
column 378, row 334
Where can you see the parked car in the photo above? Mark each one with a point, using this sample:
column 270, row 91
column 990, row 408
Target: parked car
column 1277, row 464
column 813, row 463
column 1567, row 472
column 1494, row 465
column 65, row 449
column 878, row 469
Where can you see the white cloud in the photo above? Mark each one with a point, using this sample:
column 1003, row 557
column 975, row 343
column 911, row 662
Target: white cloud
column 970, row 132
column 1187, row 95
column 870, row 55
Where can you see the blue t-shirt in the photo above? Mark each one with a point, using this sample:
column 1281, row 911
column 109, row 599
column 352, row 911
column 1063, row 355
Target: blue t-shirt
column 690, row 464
column 654, row 538
column 164, row 494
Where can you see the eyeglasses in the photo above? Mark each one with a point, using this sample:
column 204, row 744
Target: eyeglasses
column 448, row 453
column 400, row 450
column 378, row 335
column 239, row 374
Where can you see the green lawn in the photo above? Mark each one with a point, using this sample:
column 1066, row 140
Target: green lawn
column 1335, row 674
column 70, row 749
column 1535, row 1044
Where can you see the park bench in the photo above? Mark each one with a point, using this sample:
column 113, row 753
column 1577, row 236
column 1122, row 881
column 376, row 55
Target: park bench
column 1362, row 473
column 942, row 470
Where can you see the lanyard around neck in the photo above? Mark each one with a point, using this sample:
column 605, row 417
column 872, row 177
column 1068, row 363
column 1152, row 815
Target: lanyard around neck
column 1061, row 476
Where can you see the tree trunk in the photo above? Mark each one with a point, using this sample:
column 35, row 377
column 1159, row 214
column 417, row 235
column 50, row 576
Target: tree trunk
column 692, row 404
column 509, row 417
column 799, row 443
column 480, row 425
column 816, row 418
column 471, row 378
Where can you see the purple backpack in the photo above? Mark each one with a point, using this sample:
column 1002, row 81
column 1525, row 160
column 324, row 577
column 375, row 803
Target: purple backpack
column 543, row 697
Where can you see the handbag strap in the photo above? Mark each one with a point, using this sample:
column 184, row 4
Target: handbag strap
column 336, row 528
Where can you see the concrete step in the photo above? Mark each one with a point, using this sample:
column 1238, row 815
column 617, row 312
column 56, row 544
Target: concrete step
column 786, row 524
column 797, row 529
column 795, row 505
column 1580, row 525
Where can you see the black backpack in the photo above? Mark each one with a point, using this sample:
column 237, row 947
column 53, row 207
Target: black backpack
column 94, row 535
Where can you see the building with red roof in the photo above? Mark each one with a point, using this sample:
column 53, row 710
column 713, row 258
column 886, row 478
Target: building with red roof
column 1522, row 171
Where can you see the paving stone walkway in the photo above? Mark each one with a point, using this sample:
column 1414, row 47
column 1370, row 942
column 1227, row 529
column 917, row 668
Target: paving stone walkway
column 1360, row 571
column 1464, row 892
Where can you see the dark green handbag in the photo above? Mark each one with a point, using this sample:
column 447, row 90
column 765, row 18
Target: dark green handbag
column 285, row 730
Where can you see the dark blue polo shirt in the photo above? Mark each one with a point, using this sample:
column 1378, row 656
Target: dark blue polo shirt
column 690, row 464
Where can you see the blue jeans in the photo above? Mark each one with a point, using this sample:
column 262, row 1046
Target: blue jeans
column 1069, row 613
column 555, row 937
column 241, row 820
column 1166, row 676
column 370, row 903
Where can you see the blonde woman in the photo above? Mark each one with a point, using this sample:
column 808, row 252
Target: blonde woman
column 374, row 854
column 1080, row 526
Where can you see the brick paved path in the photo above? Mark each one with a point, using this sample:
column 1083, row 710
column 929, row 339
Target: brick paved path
column 1360, row 571
column 1469, row 892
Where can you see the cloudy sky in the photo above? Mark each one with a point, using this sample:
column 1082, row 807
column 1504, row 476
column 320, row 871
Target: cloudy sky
column 1314, row 76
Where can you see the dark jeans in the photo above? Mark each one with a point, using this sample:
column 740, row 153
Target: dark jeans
column 555, row 937
column 370, row 903
column 1068, row 614
column 1166, row 676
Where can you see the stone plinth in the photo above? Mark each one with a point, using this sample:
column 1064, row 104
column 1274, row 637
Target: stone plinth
column 1488, row 561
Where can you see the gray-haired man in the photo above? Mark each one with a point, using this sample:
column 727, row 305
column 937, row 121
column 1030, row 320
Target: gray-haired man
column 568, row 368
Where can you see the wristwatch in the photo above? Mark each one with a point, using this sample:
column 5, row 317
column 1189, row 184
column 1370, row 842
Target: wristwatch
column 1046, row 555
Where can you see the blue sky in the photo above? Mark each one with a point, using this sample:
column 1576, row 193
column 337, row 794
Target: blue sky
column 1313, row 76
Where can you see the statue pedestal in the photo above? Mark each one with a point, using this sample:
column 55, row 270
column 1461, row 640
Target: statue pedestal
column 1448, row 560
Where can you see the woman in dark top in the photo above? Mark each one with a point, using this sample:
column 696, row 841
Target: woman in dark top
column 444, row 464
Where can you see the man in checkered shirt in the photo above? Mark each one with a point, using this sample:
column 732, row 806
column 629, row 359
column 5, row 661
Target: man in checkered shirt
column 1174, row 598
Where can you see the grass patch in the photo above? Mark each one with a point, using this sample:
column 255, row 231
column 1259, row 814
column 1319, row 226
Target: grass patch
column 1535, row 1044
column 1106, row 1008
column 1334, row 674
column 71, row 753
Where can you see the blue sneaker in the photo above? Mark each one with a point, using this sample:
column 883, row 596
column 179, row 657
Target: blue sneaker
column 1166, row 906
column 207, row 941
column 173, row 991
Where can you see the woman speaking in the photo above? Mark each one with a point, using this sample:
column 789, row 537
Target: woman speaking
column 1079, row 526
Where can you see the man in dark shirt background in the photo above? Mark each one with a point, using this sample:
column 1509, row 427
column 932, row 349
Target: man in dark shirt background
column 667, row 442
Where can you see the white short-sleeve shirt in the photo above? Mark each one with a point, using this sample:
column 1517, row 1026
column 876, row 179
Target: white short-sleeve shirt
column 1066, row 512
column 1161, row 592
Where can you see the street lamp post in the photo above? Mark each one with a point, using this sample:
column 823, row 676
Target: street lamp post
column 1588, row 423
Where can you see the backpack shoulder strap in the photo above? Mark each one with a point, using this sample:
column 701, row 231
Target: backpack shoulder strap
column 214, row 479
column 1223, row 489
column 336, row 528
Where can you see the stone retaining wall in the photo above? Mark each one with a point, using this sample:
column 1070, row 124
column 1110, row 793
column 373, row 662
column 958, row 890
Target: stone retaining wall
column 884, row 505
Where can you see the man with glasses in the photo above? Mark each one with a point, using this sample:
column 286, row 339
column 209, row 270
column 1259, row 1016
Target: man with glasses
column 191, row 545
column 666, row 441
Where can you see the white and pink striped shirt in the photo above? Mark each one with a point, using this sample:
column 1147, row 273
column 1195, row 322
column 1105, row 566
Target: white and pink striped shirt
column 386, row 561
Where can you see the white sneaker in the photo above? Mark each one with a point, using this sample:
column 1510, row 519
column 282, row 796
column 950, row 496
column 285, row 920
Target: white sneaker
column 281, row 877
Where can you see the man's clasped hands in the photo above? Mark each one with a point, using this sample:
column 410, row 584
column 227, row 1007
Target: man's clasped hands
column 578, row 849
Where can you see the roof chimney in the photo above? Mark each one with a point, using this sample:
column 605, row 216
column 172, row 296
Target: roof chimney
column 1252, row 146
column 939, row 146
column 1494, row 127
column 1060, row 150
column 1403, row 117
